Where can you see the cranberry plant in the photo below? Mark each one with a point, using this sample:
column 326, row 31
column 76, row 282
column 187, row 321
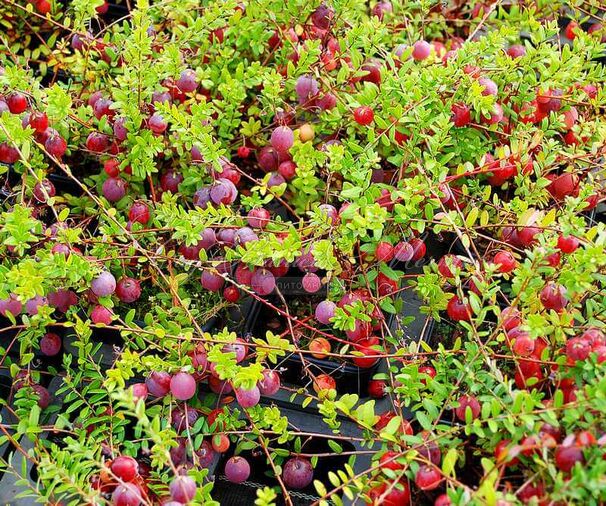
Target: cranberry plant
column 168, row 166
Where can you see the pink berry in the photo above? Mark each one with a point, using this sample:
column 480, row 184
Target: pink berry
column 458, row 311
column 325, row 310
column 139, row 391
column 282, row 138
column 104, row 284
column 102, row 108
column 114, row 189
column 568, row 244
column 62, row 299
column 258, row 217
column 237, row 469
column 322, row 17
column 496, row 115
column 489, row 86
column 578, row 349
column 38, row 121
column 327, row 102
column 10, row 305
column 101, row 314
column 247, row 398
column 211, row 281
column 305, row 88
column 8, row 154
column 17, row 102
column 331, row 212
column 55, row 145
column 428, row 477
column 157, row 124
column 516, row 51
column 44, row 190
column 183, row 419
column 120, row 131
column 311, row 282
column 270, row 383
column 297, row 473
column 125, row 468
column 205, row 454
column 170, row 181
column 263, row 281
column 187, row 82
column 421, row 50
column 461, row 115
column 448, row 265
column 364, row 115
column 223, row 191
column 467, row 401
column 44, row 397
column 183, row 489
column 32, row 305
column 505, row 261
column 97, row 142
column 183, row 386
column 268, row 159
column 382, row 8
column 403, row 252
column 523, row 345
column 275, row 180
column 554, row 296
column 126, row 494
column 384, row 252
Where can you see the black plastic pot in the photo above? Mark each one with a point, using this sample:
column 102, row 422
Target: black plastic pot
column 231, row 494
column 65, row 185
column 60, row 76
column 436, row 245
column 5, row 390
column 349, row 377
column 115, row 12
column 10, row 342
column 112, row 339
column 276, row 208
column 427, row 334
column 7, row 416
column 8, row 334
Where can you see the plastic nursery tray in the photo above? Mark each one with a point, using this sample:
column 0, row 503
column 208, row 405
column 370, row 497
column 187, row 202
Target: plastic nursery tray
column 349, row 378
column 10, row 343
column 231, row 494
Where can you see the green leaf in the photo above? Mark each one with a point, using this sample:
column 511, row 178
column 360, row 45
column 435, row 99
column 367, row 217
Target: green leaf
column 449, row 461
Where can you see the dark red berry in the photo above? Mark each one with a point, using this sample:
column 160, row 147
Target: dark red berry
column 568, row 243
column 231, row 294
column 17, row 102
column 458, row 311
column 139, row 212
column 364, row 115
column 38, row 121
